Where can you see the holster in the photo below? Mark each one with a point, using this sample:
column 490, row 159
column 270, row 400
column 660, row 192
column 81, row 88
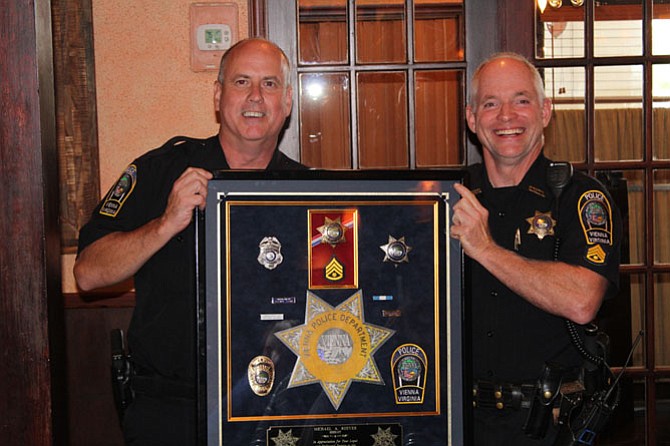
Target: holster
column 121, row 373
column 543, row 403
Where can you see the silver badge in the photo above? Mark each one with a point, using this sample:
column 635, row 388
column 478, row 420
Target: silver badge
column 270, row 252
column 396, row 250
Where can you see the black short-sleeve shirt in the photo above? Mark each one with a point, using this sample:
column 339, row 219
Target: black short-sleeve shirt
column 162, row 330
column 512, row 339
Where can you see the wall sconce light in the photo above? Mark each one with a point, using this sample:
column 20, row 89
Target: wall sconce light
column 542, row 4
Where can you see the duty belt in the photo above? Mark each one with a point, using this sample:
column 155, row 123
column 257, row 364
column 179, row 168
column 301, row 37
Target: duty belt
column 486, row 394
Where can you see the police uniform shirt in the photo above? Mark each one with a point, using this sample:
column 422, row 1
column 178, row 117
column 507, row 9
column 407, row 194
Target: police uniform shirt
column 162, row 329
column 512, row 338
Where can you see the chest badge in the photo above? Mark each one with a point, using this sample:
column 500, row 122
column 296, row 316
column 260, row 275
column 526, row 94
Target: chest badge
column 541, row 224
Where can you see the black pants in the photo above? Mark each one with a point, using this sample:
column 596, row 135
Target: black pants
column 493, row 427
column 168, row 421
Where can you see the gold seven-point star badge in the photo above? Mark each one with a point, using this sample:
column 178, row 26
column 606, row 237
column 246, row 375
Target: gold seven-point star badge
column 541, row 224
column 335, row 346
column 332, row 231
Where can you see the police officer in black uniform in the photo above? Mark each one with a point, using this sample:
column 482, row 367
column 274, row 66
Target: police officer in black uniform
column 142, row 229
column 539, row 254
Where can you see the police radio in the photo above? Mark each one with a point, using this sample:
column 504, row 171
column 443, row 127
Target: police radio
column 581, row 424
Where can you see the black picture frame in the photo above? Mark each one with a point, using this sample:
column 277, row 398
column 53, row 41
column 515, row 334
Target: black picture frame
column 331, row 309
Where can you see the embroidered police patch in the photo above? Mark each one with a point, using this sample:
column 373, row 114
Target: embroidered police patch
column 595, row 215
column 120, row 192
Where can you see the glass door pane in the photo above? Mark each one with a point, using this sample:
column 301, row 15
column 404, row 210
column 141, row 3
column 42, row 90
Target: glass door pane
column 662, row 319
column 560, row 30
column 638, row 312
column 662, row 216
column 322, row 32
column 438, row 118
column 618, row 29
column 660, row 27
column 438, row 31
column 619, row 130
column 381, row 35
column 325, row 120
column 565, row 136
column 661, row 111
column 635, row 185
column 382, row 120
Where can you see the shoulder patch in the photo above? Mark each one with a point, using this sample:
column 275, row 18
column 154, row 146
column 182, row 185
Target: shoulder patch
column 118, row 194
column 595, row 215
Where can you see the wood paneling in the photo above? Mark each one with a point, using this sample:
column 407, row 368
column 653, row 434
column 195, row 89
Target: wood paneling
column 93, row 418
column 77, row 129
column 32, row 373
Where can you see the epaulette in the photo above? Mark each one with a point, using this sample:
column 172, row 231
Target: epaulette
column 178, row 140
column 537, row 191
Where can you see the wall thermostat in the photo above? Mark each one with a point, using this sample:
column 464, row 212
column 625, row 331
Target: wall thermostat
column 214, row 37
column 214, row 29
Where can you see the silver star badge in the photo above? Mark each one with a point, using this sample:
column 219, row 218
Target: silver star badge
column 396, row 250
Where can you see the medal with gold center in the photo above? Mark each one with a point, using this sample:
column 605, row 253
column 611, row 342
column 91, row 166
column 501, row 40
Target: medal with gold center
column 335, row 346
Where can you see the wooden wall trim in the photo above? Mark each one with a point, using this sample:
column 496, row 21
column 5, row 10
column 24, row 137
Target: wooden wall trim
column 258, row 25
column 515, row 34
column 32, row 381
column 76, row 112
column 125, row 299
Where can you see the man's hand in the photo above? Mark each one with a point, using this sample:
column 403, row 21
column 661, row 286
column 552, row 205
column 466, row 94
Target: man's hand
column 470, row 224
column 188, row 192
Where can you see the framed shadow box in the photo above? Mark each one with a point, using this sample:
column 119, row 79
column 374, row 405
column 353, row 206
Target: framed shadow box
column 332, row 310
